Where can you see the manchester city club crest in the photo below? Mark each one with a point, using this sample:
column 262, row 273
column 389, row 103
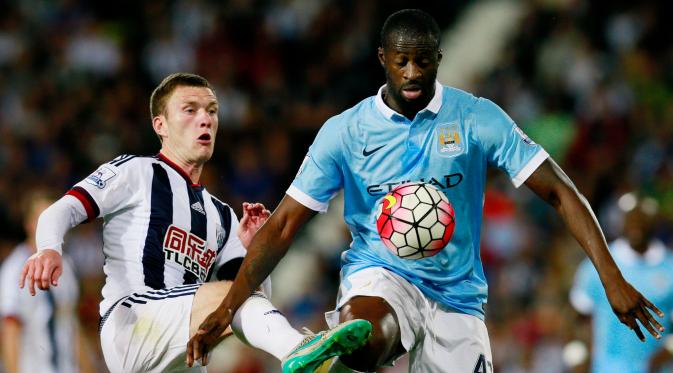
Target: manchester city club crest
column 449, row 140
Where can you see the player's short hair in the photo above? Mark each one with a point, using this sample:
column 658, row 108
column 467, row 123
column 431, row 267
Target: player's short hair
column 163, row 91
column 412, row 23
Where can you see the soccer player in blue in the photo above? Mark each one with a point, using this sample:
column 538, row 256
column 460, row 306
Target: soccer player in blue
column 432, row 307
column 647, row 263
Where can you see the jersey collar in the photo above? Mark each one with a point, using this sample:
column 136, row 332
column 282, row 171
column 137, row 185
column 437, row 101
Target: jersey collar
column 433, row 106
column 656, row 251
column 178, row 169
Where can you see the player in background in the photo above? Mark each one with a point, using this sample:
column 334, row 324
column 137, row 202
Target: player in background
column 647, row 264
column 432, row 307
column 170, row 248
column 39, row 334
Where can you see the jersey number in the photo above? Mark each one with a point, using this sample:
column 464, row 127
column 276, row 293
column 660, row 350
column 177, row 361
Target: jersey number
column 483, row 366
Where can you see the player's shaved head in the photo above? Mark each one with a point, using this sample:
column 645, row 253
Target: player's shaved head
column 410, row 24
column 163, row 91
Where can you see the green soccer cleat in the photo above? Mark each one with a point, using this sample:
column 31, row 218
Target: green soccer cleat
column 316, row 348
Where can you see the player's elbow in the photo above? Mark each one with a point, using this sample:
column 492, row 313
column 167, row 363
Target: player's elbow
column 566, row 198
column 283, row 229
column 287, row 219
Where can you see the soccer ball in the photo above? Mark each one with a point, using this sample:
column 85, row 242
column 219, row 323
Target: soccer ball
column 415, row 220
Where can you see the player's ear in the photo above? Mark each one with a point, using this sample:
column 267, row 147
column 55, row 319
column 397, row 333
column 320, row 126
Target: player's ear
column 382, row 56
column 159, row 126
column 439, row 56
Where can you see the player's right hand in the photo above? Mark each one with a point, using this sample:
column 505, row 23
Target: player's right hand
column 44, row 268
column 208, row 335
column 632, row 307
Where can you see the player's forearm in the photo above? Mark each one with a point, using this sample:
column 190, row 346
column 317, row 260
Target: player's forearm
column 267, row 248
column 56, row 220
column 578, row 216
column 554, row 186
column 11, row 340
column 85, row 363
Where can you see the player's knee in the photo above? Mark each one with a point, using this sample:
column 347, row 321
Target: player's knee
column 370, row 356
column 385, row 338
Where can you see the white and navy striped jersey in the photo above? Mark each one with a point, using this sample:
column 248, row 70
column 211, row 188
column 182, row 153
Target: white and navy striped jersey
column 160, row 230
column 48, row 319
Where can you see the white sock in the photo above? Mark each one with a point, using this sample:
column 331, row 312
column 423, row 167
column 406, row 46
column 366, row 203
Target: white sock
column 339, row 367
column 259, row 324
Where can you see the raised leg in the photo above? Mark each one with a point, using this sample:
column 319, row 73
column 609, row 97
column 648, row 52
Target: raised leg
column 385, row 341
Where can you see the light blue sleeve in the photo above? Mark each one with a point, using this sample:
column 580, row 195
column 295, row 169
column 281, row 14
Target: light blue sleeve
column 504, row 144
column 587, row 289
column 320, row 175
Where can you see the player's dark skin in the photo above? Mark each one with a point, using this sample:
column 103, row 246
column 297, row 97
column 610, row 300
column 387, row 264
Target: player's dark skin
column 410, row 65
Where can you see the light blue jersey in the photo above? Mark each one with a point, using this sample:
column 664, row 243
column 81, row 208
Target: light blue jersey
column 614, row 347
column 369, row 149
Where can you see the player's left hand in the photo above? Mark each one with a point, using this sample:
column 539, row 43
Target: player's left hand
column 208, row 336
column 42, row 269
column 254, row 216
column 631, row 306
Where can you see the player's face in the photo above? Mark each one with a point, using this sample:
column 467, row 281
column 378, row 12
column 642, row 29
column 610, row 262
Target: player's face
column 411, row 70
column 190, row 124
column 638, row 228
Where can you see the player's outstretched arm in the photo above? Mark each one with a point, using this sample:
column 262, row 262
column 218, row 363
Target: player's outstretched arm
column 553, row 185
column 45, row 266
column 267, row 248
column 11, row 343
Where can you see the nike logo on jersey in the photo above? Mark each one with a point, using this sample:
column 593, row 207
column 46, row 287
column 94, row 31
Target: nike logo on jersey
column 196, row 206
column 367, row 153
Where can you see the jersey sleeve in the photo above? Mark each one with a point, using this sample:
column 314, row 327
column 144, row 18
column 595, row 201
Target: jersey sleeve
column 106, row 190
column 56, row 220
column 10, row 299
column 320, row 175
column 504, row 144
column 586, row 289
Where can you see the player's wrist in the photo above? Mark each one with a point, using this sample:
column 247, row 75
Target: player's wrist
column 45, row 250
column 611, row 277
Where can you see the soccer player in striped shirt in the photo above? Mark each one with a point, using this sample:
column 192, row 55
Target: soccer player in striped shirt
column 166, row 242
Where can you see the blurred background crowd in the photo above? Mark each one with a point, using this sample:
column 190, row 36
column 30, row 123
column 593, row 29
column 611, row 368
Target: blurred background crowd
column 592, row 81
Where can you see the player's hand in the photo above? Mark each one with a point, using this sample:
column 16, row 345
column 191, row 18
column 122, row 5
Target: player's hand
column 630, row 307
column 42, row 268
column 254, row 216
column 208, row 336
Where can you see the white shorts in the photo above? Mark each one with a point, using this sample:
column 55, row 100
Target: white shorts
column 148, row 332
column 437, row 339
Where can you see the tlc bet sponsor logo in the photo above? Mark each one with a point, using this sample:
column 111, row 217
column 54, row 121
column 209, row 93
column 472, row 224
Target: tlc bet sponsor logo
column 189, row 251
